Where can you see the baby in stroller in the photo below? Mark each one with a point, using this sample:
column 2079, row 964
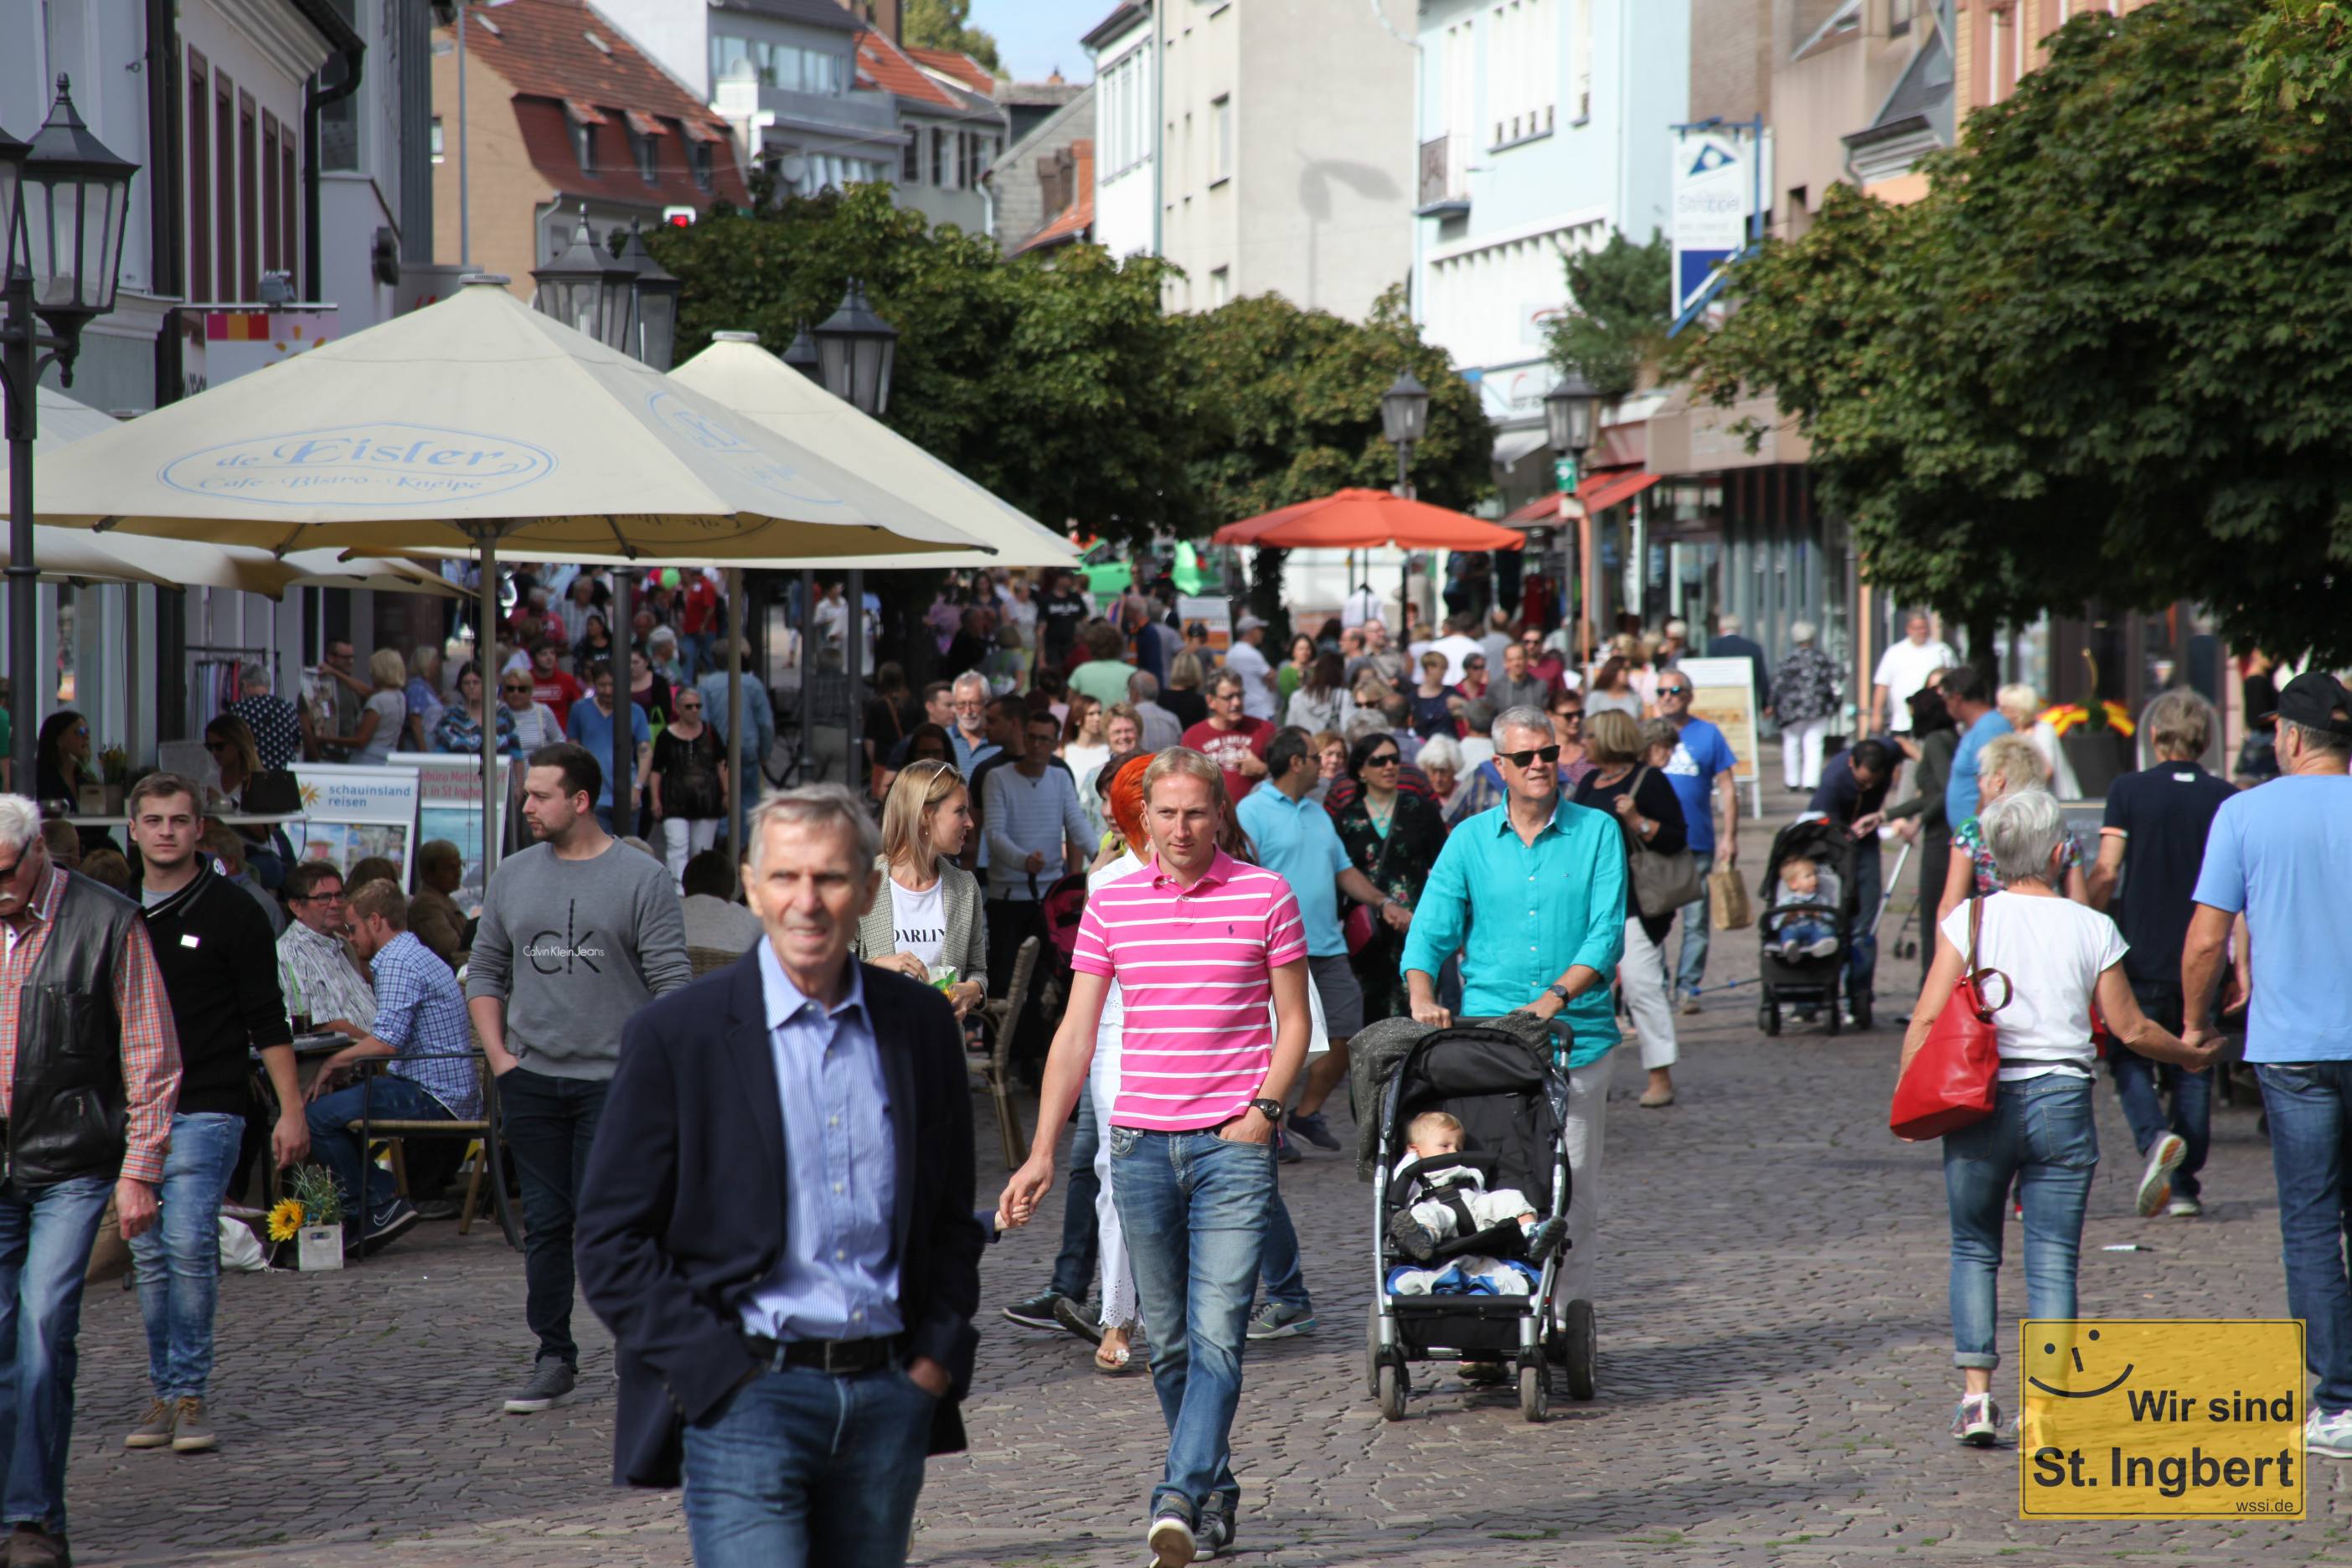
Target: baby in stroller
column 1805, row 885
column 1452, row 1201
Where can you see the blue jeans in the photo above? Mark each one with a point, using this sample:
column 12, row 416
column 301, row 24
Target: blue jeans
column 2139, row 1083
column 548, row 1124
column 1862, row 957
column 801, row 1468
column 2310, row 1109
column 1696, row 925
column 1284, row 1274
column 390, row 1097
column 44, row 1239
column 178, row 1257
column 694, row 653
column 1195, row 1208
column 2041, row 1136
column 1794, row 935
column 1073, row 1270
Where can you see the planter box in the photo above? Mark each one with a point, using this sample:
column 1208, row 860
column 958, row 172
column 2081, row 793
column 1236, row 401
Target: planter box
column 318, row 1246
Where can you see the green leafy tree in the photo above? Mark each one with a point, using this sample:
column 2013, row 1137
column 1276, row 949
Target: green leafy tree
column 947, row 25
column 1620, row 322
column 1288, row 407
column 2299, row 58
column 2101, row 361
column 1053, row 382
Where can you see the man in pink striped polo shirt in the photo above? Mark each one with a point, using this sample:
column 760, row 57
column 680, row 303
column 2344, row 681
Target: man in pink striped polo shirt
column 1200, row 944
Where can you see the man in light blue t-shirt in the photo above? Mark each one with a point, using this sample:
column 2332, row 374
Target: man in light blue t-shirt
column 590, row 724
column 1968, row 696
column 1701, row 770
column 2281, row 855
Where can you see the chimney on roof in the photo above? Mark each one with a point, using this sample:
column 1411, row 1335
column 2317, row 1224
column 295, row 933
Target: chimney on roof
column 1054, row 77
column 883, row 16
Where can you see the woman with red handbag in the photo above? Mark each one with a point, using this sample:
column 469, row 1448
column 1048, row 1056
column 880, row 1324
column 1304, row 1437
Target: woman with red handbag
column 2017, row 972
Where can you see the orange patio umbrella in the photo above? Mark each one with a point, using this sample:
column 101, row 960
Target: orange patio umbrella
column 1365, row 519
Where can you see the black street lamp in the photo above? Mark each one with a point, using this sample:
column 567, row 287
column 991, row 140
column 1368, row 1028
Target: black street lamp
column 1404, row 420
column 589, row 289
column 855, row 349
column 1567, row 418
column 802, row 356
column 656, row 339
column 63, row 198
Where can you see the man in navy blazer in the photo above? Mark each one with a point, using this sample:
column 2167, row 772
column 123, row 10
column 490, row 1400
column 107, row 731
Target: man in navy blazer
column 777, row 1222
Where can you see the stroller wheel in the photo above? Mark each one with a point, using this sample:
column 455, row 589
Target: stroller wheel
column 1391, row 1392
column 1577, row 1335
column 1768, row 1015
column 1535, row 1391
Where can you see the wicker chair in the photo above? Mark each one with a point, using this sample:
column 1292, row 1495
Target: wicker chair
column 368, row 1128
column 705, row 959
column 996, row 1068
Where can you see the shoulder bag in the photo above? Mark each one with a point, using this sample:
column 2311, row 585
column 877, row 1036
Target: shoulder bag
column 1662, row 883
column 1950, row 1083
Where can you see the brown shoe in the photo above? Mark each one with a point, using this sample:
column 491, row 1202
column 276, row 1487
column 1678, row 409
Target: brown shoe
column 194, row 1434
column 34, row 1547
column 156, row 1431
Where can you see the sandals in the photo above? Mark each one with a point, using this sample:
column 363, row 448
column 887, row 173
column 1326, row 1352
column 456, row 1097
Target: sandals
column 1114, row 1361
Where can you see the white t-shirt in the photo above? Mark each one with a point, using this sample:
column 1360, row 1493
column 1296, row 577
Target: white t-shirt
column 1362, row 604
column 1903, row 669
column 1258, row 697
column 918, row 922
column 2054, row 952
column 1455, row 648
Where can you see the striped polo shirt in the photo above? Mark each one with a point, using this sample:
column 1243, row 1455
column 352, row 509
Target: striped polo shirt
column 1195, row 967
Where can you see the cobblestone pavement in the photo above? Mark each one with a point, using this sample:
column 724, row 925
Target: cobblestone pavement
column 1775, row 1379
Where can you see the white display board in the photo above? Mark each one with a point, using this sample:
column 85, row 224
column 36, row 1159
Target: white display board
column 351, row 813
column 1723, row 692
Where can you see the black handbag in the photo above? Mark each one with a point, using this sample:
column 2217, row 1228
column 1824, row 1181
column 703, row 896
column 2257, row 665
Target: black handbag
column 274, row 791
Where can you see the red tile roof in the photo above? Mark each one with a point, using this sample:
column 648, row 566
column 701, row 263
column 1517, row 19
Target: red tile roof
column 548, row 52
column 1076, row 220
column 957, row 64
column 887, row 66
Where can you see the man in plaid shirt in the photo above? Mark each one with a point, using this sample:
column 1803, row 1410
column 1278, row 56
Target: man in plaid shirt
column 60, row 935
column 420, row 1024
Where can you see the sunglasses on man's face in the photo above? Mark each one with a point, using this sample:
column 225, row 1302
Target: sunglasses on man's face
column 1674, row 692
column 1522, row 759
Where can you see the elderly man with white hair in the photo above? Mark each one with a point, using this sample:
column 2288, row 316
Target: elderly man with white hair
column 275, row 723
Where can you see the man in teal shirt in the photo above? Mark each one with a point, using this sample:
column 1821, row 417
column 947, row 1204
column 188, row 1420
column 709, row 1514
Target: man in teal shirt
column 1533, row 894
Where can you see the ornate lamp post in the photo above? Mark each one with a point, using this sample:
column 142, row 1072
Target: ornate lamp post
column 655, row 338
column 63, row 198
column 856, row 351
column 1404, row 420
column 1569, row 409
column 589, row 289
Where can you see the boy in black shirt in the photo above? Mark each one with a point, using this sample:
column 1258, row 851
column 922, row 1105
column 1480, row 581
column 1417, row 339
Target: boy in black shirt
column 220, row 969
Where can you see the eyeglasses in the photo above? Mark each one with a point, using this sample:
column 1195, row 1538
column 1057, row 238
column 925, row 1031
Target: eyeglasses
column 689, row 707
column 1522, row 759
column 1571, row 715
column 334, row 897
column 217, row 746
column 1674, row 692
column 1385, row 760
column 512, row 690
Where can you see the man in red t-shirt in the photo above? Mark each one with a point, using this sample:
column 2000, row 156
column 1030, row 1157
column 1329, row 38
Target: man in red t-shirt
column 697, row 623
column 551, row 685
column 1231, row 738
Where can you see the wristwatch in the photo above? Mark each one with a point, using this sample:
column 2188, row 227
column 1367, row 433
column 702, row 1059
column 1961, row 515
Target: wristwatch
column 1269, row 1109
column 1556, row 989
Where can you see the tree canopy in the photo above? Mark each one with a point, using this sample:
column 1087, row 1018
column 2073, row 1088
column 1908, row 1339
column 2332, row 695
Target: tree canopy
column 1620, row 322
column 947, row 25
column 1054, row 382
column 2102, row 360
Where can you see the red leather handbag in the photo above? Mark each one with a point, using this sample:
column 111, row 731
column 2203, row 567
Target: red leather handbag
column 1950, row 1083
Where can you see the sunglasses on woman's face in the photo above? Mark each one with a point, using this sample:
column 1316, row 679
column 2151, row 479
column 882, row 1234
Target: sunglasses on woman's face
column 1385, row 760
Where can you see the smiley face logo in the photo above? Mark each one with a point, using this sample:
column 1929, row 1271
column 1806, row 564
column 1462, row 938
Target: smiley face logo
column 2076, row 1354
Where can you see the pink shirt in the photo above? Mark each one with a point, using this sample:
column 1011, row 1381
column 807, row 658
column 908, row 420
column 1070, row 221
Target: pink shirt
column 1195, row 967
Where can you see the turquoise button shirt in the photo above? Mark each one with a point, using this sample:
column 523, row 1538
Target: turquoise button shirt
column 1522, row 913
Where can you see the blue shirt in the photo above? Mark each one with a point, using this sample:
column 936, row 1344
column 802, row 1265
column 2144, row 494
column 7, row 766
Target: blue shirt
column 2276, row 854
column 1296, row 842
column 1960, row 795
column 969, row 757
column 1699, row 755
column 838, row 1278
column 418, row 1008
column 592, row 727
column 1522, row 913
column 759, row 734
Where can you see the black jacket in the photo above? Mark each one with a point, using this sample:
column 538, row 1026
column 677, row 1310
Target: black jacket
column 683, row 1209
column 71, row 1113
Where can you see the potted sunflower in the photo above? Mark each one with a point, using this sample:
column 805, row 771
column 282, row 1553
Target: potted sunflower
column 310, row 1216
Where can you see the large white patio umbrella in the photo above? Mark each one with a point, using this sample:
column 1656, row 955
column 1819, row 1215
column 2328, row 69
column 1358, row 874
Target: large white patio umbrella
column 476, row 421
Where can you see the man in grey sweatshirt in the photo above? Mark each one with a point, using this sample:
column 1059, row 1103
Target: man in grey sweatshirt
column 578, row 932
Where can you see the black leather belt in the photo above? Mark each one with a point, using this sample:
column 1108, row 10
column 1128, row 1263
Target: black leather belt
column 834, row 1358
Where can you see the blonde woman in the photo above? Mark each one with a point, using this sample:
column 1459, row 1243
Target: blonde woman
column 387, row 712
column 928, row 912
column 2007, row 764
column 2022, row 706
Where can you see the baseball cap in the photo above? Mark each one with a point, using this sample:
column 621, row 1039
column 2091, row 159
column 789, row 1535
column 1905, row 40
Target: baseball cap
column 1249, row 623
column 2316, row 700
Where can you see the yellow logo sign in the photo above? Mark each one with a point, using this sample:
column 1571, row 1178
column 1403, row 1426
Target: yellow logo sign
column 2134, row 1418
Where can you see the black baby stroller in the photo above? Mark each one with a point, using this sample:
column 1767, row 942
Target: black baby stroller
column 1510, row 1100
column 1802, row 979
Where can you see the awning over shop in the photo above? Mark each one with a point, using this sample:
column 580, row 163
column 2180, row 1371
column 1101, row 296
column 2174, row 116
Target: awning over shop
column 1597, row 493
column 1510, row 445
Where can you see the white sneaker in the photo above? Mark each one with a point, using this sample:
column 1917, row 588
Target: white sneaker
column 2156, row 1182
column 2185, row 1208
column 2329, row 1435
column 1976, row 1422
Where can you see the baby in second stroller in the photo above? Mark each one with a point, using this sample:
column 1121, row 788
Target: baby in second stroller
column 1804, row 885
column 1453, row 1200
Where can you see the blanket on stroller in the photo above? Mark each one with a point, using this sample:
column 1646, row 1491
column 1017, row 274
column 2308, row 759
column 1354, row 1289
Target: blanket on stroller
column 1373, row 1056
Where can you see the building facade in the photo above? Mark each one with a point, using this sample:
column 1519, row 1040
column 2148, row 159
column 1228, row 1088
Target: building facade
column 1044, row 184
column 954, row 129
column 1127, row 141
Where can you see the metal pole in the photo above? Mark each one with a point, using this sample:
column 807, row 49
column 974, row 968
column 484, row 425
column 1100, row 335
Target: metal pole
column 24, row 572
column 464, row 203
column 854, row 636
column 738, row 808
column 486, row 649
column 624, row 751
